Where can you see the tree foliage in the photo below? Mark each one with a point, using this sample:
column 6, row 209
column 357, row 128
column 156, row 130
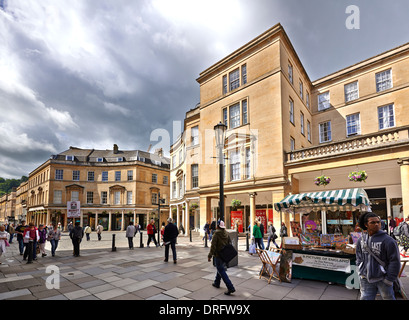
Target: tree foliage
column 7, row 185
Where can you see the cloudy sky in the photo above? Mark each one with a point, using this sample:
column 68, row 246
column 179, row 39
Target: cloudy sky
column 91, row 73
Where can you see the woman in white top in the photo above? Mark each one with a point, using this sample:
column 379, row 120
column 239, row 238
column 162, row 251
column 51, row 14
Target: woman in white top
column 4, row 236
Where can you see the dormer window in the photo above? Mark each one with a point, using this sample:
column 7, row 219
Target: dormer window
column 119, row 159
column 69, row 158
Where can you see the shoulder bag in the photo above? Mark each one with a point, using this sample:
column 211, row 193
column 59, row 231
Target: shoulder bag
column 228, row 252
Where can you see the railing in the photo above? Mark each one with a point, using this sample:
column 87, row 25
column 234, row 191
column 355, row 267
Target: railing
column 377, row 140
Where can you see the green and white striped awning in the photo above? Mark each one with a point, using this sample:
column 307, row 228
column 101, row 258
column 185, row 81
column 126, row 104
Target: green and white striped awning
column 346, row 198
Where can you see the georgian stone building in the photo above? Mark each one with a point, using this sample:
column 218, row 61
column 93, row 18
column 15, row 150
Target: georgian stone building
column 284, row 130
column 113, row 187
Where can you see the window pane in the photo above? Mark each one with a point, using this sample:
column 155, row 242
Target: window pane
column 105, row 176
column 386, row 117
column 383, row 80
column 91, row 176
column 351, row 91
column 291, row 111
column 234, row 79
column 325, row 131
column 195, row 175
column 76, row 175
column 90, row 197
column 117, row 175
column 353, row 124
column 235, row 116
column 235, row 165
column 244, row 74
column 244, row 108
column 195, row 135
column 57, row 196
column 323, row 101
column 59, row 174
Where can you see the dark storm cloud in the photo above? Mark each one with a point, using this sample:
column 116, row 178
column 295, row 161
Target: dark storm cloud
column 93, row 73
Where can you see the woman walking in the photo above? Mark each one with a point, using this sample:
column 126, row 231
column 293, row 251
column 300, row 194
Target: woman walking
column 4, row 237
column 258, row 238
column 54, row 236
column 271, row 232
column 42, row 232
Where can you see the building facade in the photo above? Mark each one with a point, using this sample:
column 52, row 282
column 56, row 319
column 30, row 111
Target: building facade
column 111, row 187
column 284, row 130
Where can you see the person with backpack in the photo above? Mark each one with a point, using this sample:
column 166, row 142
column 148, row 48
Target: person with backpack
column 76, row 235
column 87, row 231
column 401, row 233
column 377, row 259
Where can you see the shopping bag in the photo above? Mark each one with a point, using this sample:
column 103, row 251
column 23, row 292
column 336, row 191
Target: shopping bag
column 252, row 248
column 227, row 253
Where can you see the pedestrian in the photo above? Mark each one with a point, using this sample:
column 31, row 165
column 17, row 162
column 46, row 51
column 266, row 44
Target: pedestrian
column 4, row 238
column 31, row 238
column 42, row 232
column 99, row 231
column 162, row 232
column 377, row 258
column 283, row 231
column 206, row 229
column 87, row 231
column 151, row 230
column 54, row 236
column 181, row 228
column 212, row 229
column 258, row 239
column 70, row 227
column 76, row 235
column 10, row 229
column 403, row 239
column 220, row 239
column 392, row 225
column 20, row 232
column 169, row 238
column 271, row 232
column 130, row 234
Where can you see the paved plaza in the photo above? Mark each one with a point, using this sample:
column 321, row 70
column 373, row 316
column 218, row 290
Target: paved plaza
column 141, row 274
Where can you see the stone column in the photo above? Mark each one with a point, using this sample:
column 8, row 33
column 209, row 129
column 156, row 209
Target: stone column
column 122, row 221
column 110, row 222
column 252, row 210
column 404, row 176
column 96, row 220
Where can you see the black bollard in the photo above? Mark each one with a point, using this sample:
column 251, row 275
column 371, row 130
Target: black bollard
column 141, row 243
column 113, row 243
column 247, row 241
column 190, row 235
column 206, row 240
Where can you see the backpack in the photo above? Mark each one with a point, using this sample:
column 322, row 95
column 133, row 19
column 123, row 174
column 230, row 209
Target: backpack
column 398, row 230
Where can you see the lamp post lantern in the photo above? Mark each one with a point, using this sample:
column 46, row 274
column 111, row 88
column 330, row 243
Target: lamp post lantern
column 219, row 131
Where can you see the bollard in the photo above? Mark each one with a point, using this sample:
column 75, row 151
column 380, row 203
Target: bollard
column 190, row 235
column 206, row 240
column 141, row 243
column 113, row 243
column 247, row 241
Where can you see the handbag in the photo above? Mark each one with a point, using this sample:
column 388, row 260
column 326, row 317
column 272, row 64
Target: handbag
column 7, row 243
column 228, row 252
column 397, row 284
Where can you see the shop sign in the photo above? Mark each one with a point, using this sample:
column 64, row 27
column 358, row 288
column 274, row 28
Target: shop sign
column 237, row 218
column 322, row 262
column 73, row 209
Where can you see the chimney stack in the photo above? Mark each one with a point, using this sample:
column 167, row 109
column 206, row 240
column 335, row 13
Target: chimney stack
column 115, row 149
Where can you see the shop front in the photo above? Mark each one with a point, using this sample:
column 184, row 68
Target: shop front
column 325, row 230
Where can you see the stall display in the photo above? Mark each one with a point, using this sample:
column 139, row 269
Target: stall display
column 326, row 233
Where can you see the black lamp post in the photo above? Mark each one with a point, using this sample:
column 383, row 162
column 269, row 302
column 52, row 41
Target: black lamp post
column 219, row 131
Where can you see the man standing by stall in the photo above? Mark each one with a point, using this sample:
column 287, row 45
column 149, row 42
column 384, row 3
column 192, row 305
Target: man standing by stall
column 377, row 258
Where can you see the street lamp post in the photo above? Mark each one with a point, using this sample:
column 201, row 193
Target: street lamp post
column 159, row 202
column 219, row 131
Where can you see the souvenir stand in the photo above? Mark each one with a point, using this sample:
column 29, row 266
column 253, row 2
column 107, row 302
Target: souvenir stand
column 317, row 254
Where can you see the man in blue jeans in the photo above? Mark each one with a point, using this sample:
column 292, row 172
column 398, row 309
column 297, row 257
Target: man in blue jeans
column 377, row 259
column 220, row 239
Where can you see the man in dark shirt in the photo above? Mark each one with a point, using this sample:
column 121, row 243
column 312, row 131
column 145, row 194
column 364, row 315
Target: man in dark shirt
column 76, row 235
column 20, row 231
column 169, row 239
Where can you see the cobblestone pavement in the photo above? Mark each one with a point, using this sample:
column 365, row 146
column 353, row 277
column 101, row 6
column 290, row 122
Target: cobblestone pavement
column 141, row 274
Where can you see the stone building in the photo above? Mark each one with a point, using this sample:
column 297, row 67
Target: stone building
column 284, row 130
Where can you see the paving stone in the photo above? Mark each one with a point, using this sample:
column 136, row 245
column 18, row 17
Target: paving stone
column 76, row 294
column 177, row 292
column 13, row 294
column 110, row 294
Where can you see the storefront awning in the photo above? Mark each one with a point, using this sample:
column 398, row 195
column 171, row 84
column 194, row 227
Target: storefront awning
column 356, row 197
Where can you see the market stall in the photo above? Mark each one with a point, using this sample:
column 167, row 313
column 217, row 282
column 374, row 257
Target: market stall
column 325, row 230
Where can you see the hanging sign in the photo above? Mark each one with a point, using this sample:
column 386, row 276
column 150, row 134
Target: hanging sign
column 73, row 209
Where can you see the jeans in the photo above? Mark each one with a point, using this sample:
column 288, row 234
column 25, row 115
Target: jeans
column 21, row 245
column 54, row 245
column 76, row 244
column 270, row 238
column 259, row 243
column 369, row 290
column 30, row 251
column 151, row 237
column 173, row 246
column 87, row 234
column 130, row 242
column 221, row 274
